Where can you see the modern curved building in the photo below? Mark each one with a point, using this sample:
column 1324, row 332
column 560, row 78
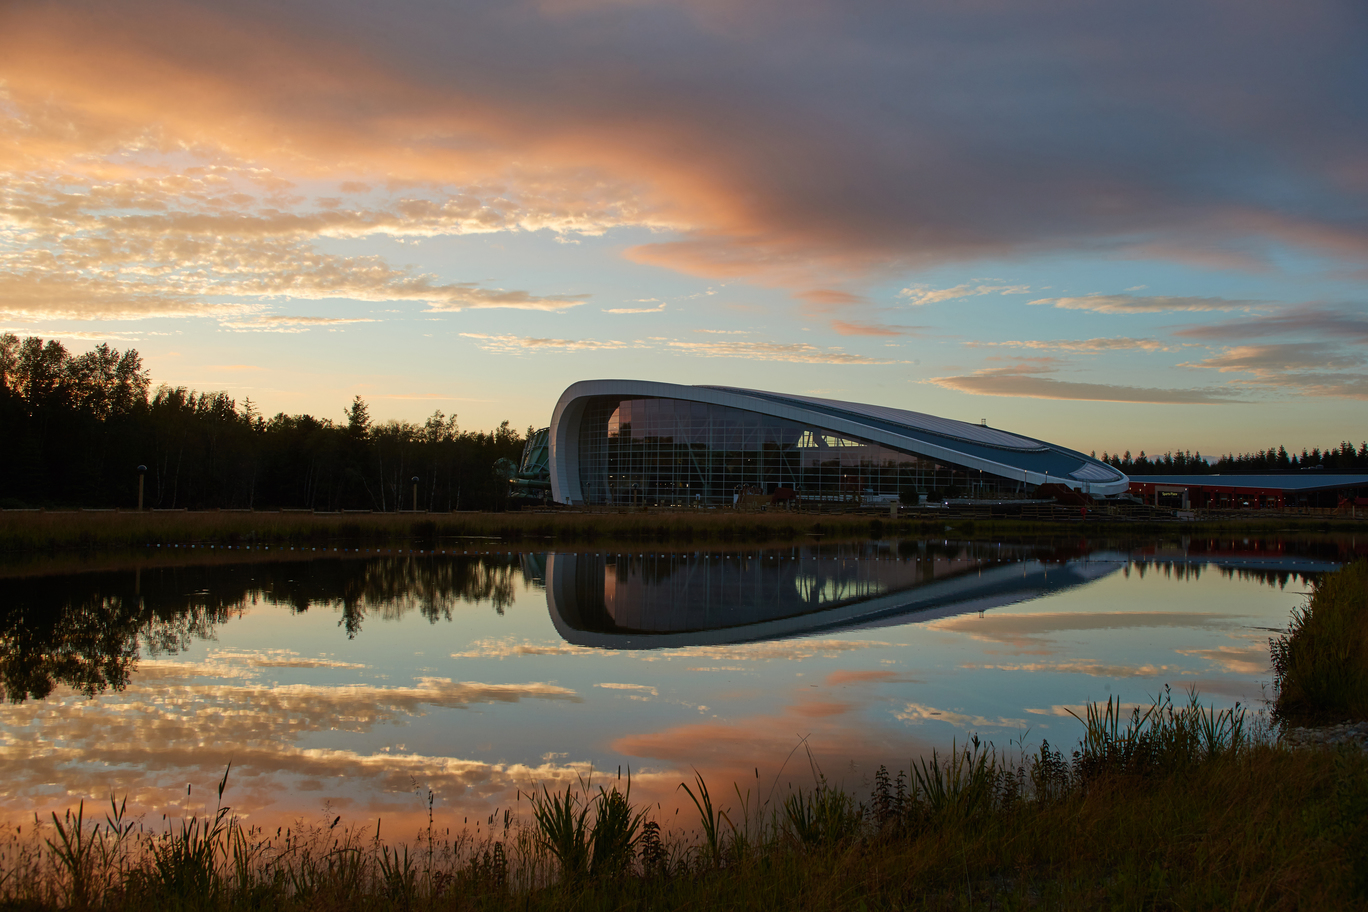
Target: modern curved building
column 624, row 442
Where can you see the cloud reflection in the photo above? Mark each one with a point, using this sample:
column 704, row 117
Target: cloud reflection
column 1093, row 669
column 170, row 724
column 763, row 651
column 868, row 677
column 1032, row 634
column 918, row 712
column 1247, row 660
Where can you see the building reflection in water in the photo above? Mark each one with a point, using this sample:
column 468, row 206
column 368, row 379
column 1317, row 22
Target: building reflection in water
column 647, row 601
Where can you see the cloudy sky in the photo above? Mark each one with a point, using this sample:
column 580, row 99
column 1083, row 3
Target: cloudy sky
column 1120, row 225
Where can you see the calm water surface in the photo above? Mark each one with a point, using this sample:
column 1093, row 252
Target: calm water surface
column 345, row 682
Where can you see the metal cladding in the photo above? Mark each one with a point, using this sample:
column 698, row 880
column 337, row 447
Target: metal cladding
column 991, row 457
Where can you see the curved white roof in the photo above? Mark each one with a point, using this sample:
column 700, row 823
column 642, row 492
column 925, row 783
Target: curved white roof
column 945, row 427
column 989, row 450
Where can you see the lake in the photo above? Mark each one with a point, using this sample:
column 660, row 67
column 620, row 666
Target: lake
column 351, row 682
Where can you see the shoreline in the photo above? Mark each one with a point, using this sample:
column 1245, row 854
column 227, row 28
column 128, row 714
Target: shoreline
column 28, row 532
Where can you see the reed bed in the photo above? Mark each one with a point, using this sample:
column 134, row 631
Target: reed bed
column 1179, row 806
column 1320, row 665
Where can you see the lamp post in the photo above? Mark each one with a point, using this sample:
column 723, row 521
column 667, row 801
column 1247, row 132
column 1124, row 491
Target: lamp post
column 142, row 475
column 415, row 493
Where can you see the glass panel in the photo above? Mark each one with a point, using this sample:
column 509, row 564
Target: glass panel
column 669, row 452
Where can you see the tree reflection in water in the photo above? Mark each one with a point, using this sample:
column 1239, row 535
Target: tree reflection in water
column 87, row 631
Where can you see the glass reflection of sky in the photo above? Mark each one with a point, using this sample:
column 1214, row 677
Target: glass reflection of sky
column 461, row 681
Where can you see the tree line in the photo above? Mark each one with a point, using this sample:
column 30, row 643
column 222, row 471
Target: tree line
column 1342, row 458
column 75, row 428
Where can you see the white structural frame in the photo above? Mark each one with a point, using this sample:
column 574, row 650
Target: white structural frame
column 565, row 425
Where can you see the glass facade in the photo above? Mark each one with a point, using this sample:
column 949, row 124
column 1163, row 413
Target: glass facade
column 651, row 451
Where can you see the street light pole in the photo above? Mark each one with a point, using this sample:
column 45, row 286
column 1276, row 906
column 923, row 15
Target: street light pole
column 142, row 474
column 415, row 493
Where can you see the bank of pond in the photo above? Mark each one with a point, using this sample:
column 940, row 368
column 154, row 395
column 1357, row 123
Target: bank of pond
column 35, row 531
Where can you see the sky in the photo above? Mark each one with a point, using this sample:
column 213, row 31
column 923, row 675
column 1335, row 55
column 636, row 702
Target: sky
column 1117, row 226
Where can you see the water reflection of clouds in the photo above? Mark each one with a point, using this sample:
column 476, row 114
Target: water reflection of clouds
column 733, row 750
column 265, row 776
column 917, row 712
column 276, row 658
column 840, row 733
column 171, row 727
column 638, row 691
column 1093, row 669
column 509, row 647
column 836, row 678
column 1246, row 660
column 1236, row 689
column 820, row 709
column 1080, row 710
column 794, row 649
column 1030, row 634
column 236, row 663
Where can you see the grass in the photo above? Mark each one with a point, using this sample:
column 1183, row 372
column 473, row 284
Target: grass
column 1320, row 665
column 28, row 532
column 1178, row 806
column 602, row 848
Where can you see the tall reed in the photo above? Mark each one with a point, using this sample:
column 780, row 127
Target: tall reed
column 1320, row 665
column 1162, row 739
column 604, row 846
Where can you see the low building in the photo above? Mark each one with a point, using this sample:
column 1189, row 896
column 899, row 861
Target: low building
column 632, row 442
column 531, row 483
column 1288, row 491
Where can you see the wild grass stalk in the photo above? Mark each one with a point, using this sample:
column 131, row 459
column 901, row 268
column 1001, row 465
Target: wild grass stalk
column 185, row 861
column 598, row 846
column 74, row 851
column 961, row 787
column 710, row 817
column 563, row 829
column 825, row 816
column 753, row 834
column 1164, row 738
column 616, row 831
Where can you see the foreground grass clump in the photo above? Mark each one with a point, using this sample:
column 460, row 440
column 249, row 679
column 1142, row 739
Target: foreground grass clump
column 1174, row 807
column 1320, row 665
